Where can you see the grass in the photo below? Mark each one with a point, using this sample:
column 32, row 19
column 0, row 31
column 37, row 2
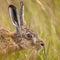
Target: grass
column 42, row 16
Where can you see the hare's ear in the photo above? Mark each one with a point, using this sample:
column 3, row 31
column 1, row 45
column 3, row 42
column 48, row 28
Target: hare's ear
column 21, row 13
column 13, row 15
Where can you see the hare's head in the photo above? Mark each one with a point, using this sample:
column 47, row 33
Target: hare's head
column 30, row 39
column 24, row 37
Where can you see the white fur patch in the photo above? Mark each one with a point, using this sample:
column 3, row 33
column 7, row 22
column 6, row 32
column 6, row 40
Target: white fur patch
column 34, row 40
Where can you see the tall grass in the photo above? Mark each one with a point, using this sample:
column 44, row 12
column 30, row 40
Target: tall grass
column 42, row 16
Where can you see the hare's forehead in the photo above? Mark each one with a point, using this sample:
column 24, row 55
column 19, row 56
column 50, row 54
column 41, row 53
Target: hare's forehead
column 26, row 31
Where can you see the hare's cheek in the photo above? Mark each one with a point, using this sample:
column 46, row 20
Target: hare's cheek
column 23, row 44
column 34, row 40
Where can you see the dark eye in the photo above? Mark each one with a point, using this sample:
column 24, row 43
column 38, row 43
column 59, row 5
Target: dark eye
column 29, row 36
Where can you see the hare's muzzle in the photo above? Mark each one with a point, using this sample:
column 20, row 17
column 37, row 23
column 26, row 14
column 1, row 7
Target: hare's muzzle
column 39, row 44
column 42, row 43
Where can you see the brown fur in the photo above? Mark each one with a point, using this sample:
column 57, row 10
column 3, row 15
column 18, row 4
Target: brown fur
column 11, row 41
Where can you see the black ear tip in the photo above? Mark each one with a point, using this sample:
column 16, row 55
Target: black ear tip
column 11, row 6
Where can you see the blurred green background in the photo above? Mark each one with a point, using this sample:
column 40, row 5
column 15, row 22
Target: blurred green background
column 42, row 16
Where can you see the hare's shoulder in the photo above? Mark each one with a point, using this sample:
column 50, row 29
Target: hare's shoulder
column 4, row 31
column 6, row 42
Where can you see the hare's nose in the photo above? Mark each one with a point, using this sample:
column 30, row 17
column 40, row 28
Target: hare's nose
column 42, row 44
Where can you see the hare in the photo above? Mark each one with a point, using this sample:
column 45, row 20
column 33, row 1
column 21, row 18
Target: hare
column 22, row 38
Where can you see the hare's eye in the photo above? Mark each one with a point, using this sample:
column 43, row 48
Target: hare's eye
column 29, row 36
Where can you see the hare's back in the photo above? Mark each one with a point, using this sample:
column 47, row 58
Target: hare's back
column 6, row 43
